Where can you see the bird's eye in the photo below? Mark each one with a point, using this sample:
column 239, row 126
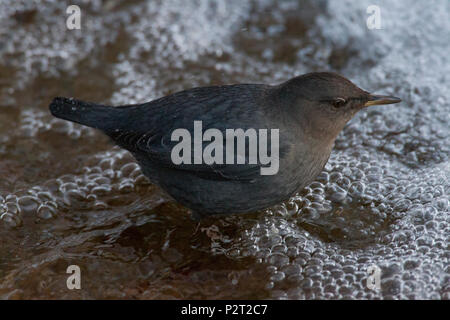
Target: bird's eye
column 339, row 102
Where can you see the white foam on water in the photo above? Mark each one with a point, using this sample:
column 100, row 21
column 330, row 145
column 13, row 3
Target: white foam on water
column 389, row 196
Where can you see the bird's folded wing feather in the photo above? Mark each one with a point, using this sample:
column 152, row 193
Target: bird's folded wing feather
column 217, row 108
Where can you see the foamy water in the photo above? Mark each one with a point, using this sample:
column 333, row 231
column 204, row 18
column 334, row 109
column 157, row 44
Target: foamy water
column 69, row 197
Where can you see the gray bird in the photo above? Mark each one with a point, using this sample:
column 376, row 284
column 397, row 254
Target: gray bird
column 309, row 111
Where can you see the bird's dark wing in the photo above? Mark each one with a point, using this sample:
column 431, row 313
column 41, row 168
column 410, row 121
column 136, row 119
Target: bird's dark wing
column 224, row 107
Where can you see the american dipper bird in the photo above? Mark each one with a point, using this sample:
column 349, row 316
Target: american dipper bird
column 309, row 111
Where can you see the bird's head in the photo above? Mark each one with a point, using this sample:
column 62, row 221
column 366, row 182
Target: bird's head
column 324, row 102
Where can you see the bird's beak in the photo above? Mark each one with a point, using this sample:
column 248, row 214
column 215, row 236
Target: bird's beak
column 377, row 99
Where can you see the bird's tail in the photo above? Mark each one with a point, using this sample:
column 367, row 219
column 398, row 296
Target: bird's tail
column 89, row 114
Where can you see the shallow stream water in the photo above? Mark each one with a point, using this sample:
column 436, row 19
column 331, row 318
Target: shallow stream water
column 69, row 197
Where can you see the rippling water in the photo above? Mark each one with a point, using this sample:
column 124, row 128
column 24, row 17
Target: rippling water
column 67, row 196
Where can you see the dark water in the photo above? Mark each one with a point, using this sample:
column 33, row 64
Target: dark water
column 67, row 196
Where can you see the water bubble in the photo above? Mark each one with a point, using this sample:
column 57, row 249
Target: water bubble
column 46, row 212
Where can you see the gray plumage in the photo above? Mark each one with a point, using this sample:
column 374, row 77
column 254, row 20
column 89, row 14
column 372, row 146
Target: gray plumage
column 308, row 111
